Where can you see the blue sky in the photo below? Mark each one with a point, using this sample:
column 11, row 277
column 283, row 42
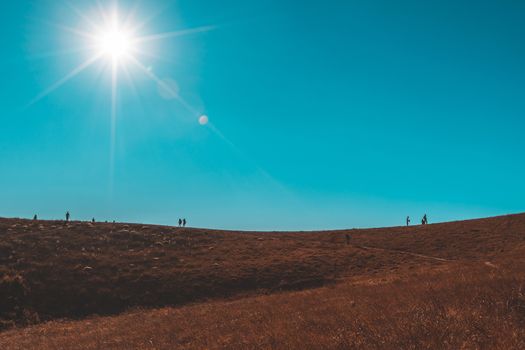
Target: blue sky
column 328, row 114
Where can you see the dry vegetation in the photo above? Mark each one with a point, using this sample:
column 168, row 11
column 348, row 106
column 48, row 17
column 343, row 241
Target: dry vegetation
column 454, row 285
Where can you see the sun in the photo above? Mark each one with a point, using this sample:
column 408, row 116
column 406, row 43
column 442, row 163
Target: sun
column 115, row 43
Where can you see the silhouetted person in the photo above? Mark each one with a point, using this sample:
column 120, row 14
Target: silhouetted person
column 93, row 220
column 35, row 217
column 408, row 220
column 425, row 219
column 347, row 238
column 67, row 216
column 180, row 222
column 183, row 222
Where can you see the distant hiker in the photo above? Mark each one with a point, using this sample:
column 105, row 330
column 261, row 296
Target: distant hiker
column 183, row 222
column 180, row 222
column 408, row 220
column 67, row 216
column 425, row 219
column 347, row 239
column 35, row 218
column 93, row 220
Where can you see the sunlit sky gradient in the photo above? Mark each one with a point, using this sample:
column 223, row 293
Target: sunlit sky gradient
column 327, row 114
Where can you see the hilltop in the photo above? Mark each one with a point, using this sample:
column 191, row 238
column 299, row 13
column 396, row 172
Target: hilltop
column 203, row 284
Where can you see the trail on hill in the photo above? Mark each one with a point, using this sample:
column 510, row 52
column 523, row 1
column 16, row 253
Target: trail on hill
column 403, row 252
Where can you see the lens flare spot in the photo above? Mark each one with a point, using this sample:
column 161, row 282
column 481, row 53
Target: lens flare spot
column 203, row 120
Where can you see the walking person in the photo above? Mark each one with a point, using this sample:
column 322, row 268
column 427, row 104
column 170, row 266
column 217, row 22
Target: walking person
column 408, row 220
column 180, row 222
column 35, row 217
column 67, row 216
column 425, row 219
column 183, row 222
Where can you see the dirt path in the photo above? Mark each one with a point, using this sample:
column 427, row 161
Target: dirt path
column 403, row 252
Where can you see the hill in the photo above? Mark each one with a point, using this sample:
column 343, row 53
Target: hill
column 419, row 286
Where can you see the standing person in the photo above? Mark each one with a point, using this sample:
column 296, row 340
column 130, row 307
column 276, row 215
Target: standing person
column 425, row 219
column 180, row 222
column 408, row 220
column 183, row 222
column 67, row 216
column 35, row 217
column 93, row 220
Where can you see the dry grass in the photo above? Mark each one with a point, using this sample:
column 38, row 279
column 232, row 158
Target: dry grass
column 232, row 289
column 468, row 307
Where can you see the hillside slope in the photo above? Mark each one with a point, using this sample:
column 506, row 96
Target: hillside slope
column 53, row 269
column 458, row 306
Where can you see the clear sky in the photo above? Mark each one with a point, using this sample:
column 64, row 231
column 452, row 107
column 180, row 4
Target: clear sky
column 322, row 114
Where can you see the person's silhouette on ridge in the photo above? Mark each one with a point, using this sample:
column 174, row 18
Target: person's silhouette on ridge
column 408, row 220
column 180, row 222
column 183, row 222
column 35, row 217
column 67, row 215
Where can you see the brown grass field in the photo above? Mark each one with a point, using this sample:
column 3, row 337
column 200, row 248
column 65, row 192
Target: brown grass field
column 77, row 285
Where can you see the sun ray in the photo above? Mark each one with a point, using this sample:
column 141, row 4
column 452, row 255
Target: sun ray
column 107, row 18
column 100, row 72
column 248, row 159
column 69, row 29
column 64, row 52
column 129, row 79
column 148, row 54
column 137, row 27
column 174, row 34
column 165, row 86
column 131, row 14
column 114, row 83
column 62, row 81
column 86, row 19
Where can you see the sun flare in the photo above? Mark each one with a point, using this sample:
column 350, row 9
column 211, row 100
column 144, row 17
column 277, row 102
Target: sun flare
column 115, row 43
column 118, row 43
column 115, row 39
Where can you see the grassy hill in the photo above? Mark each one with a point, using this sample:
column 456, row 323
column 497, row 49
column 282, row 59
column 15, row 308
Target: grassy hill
column 458, row 284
